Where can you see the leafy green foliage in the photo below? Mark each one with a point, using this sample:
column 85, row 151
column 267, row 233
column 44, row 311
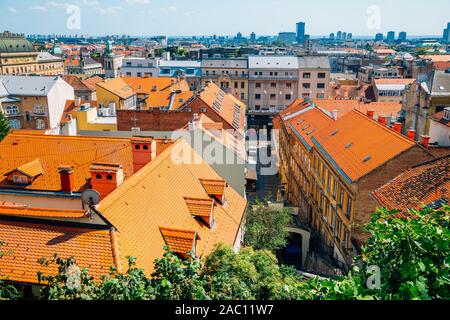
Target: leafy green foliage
column 4, row 127
column 265, row 228
column 178, row 279
column 413, row 254
column 7, row 292
column 132, row 285
column 70, row 283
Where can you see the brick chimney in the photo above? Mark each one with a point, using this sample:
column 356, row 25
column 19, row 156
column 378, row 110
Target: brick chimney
column 382, row 120
column 66, row 175
column 398, row 127
column 370, row 113
column 144, row 151
column 425, row 141
column 106, row 177
column 411, row 134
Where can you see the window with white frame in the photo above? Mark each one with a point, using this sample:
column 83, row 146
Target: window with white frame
column 20, row 179
column 38, row 109
column 14, row 124
column 12, row 109
column 40, row 124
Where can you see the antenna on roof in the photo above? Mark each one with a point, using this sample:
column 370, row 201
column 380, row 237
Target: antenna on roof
column 90, row 197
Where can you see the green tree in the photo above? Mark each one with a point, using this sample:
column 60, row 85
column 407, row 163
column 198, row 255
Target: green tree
column 412, row 253
column 70, row 283
column 178, row 279
column 132, row 285
column 7, row 292
column 4, row 127
column 266, row 228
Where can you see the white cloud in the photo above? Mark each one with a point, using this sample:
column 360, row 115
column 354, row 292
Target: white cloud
column 171, row 8
column 13, row 10
column 109, row 10
column 137, row 1
column 39, row 8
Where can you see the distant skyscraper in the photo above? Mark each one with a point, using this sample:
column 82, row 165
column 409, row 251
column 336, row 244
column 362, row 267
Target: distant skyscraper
column 287, row 37
column 300, row 31
column 350, row 36
column 402, row 36
column 339, row 35
column 390, row 37
column 253, row 37
column 239, row 36
column 379, row 37
column 446, row 36
column 344, row 35
column 331, row 36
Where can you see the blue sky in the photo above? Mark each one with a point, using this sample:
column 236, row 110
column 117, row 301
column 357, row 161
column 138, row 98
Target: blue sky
column 225, row 17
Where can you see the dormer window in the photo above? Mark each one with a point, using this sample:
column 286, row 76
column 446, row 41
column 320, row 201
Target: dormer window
column 19, row 179
column 26, row 173
column 201, row 209
column 181, row 242
column 215, row 189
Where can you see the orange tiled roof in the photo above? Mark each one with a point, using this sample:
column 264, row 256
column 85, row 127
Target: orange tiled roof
column 199, row 207
column 163, row 99
column 118, row 86
column 419, row 186
column 30, row 242
column 92, row 82
column 179, row 241
column 25, row 211
column 31, row 169
column 308, row 123
column 214, row 187
column 76, row 83
column 212, row 95
column 437, row 57
column 345, row 106
column 357, row 144
column 394, row 81
column 155, row 198
column 19, row 149
column 148, row 85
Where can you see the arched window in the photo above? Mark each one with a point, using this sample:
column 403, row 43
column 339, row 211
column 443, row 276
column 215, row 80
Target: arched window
column 14, row 124
column 12, row 109
column 40, row 124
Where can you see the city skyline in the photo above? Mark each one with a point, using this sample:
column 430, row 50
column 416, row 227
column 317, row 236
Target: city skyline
column 157, row 17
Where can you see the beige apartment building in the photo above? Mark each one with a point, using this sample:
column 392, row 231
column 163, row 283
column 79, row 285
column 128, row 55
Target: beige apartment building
column 231, row 75
column 273, row 83
column 314, row 77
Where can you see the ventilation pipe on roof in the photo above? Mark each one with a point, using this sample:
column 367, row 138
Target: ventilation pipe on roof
column 412, row 134
column 398, row 127
column 382, row 120
column 425, row 141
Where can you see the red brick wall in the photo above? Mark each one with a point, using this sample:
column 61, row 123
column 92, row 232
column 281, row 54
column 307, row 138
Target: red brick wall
column 365, row 202
column 149, row 120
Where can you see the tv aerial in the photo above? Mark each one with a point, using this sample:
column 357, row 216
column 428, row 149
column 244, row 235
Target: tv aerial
column 91, row 197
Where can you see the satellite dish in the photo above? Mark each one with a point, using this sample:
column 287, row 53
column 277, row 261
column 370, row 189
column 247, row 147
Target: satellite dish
column 91, row 197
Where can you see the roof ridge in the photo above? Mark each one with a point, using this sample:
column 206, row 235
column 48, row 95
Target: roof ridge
column 141, row 175
column 384, row 127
